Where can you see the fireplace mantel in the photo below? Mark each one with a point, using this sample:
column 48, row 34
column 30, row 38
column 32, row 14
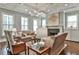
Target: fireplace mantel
column 53, row 30
column 56, row 27
column 47, row 31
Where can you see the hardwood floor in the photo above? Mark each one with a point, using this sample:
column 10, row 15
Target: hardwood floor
column 72, row 48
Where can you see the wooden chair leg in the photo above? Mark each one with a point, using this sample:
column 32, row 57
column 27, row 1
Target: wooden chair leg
column 49, row 51
column 62, row 53
column 25, row 52
column 28, row 50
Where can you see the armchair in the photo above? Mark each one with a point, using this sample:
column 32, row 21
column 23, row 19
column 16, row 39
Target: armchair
column 59, row 44
column 56, row 44
column 15, row 47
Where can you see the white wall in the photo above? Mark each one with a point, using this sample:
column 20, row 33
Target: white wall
column 73, row 34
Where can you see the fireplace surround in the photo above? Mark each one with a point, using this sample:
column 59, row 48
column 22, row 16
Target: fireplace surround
column 54, row 30
column 48, row 31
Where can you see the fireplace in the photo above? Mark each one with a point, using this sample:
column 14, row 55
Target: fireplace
column 53, row 31
column 48, row 31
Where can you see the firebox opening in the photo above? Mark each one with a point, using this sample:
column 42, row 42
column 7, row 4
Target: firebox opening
column 53, row 32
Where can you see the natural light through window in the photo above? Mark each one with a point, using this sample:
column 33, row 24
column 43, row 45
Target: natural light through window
column 43, row 23
column 72, row 21
column 35, row 26
column 24, row 23
column 7, row 22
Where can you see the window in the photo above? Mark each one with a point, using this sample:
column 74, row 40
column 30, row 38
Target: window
column 7, row 22
column 72, row 21
column 43, row 23
column 35, row 26
column 24, row 23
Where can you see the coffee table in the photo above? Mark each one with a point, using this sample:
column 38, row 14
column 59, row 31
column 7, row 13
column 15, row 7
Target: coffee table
column 40, row 51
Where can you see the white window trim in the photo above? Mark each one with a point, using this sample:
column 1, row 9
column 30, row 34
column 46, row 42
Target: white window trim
column 24, row 24
column 42, row 23
column 67, row 23
column 35, row 25
column 7, row 24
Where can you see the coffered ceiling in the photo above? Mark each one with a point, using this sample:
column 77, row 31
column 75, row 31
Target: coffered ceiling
column 38, row 8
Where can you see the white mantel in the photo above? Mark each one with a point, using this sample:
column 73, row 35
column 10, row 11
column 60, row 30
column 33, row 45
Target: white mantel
column 56, row 27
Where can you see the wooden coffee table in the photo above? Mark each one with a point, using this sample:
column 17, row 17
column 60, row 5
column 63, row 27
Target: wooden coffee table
column 39, row 51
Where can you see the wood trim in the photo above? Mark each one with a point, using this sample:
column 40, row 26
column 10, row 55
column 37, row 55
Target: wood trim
column 62, row 49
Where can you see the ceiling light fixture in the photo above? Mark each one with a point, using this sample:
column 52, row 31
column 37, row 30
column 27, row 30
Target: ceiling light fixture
column 26, row 9
column 35, row 11
column 42, row 14
column 31, row 13
column 48, row 10
column 65, row 5
column 37, row 15
column 20, row 3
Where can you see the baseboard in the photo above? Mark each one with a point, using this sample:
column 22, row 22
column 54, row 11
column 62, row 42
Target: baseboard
column 73, row 41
